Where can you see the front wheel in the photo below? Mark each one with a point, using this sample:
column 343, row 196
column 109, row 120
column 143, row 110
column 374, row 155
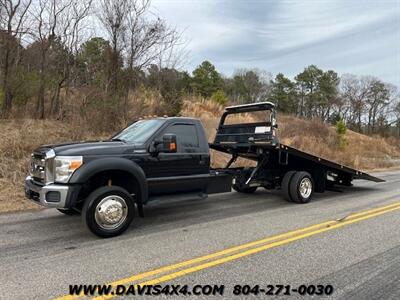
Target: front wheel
column 108, row 211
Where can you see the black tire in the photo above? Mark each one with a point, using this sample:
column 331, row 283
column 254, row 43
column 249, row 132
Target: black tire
column 89, row 210
column 247, row 190
column 68, row 211
column 285, row 185
column 294, row 187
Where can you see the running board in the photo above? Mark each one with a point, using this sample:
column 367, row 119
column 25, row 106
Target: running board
column 178, row 197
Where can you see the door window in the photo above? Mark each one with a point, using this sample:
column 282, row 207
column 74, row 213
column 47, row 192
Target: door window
column 186, row 137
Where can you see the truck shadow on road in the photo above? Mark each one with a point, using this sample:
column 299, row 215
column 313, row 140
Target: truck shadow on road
column 49, row 229
column 166, row 215
column 174, row 214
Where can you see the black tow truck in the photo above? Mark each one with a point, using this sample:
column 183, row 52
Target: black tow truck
column 164, row 158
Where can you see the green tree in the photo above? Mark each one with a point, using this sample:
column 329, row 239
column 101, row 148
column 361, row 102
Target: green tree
column 378, row 97
column 236, row 89
column 10, row 50
column 317, row 91
column 93, row 60
column 13, row 27
column 248, row 86
column 171, row 84
column 328, row 93
column 219, row 97
column 283, row 94
column 307, row 85
column 206, row 79
column 397, row 116
column 341, row 134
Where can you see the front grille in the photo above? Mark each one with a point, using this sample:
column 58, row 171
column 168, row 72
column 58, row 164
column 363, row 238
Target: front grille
column 38, row 167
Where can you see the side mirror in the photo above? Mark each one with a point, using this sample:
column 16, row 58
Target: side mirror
column 166, row 145
column 274, row 124
column 169, row 143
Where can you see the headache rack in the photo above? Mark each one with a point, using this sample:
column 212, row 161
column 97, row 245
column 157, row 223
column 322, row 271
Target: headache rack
column 260, row 131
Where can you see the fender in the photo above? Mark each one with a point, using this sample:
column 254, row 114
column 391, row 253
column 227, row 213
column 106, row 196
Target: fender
column 95, row 166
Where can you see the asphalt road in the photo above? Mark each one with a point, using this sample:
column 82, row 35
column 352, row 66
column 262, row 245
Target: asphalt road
column 43, row 252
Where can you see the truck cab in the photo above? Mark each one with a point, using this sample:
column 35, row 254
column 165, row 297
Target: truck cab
column 106, row 181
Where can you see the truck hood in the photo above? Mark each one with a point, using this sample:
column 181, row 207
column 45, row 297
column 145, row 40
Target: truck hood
column 90, row 148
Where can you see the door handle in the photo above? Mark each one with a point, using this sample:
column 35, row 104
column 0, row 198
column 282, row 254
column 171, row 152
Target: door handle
column 202, row 160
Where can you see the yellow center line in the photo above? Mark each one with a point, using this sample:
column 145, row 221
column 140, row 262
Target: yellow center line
column 255, row 250
column 276, row 240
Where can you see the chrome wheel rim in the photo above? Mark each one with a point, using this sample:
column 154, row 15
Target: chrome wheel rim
column 305, row 187
column 111, row 212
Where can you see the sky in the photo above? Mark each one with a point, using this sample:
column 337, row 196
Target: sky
column 348, row 36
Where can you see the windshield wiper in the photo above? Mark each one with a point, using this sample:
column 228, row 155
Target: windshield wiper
column 117, row 140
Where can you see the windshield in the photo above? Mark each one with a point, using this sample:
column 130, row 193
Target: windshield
column 139, row 132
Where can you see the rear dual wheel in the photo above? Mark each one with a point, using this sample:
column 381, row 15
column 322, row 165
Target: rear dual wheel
column 298, row 186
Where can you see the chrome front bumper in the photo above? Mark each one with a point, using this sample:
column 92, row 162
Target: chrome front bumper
column 51, row 195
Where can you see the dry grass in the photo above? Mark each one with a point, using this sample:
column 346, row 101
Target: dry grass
column 18, row 139
column 20, row 136
column 362, row 152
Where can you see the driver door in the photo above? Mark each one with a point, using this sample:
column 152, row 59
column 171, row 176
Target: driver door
column 187, row 170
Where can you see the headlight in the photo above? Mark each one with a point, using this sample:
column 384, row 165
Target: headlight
column 65, row 166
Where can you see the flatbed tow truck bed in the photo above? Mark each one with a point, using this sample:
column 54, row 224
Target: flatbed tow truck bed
column 286, row 152
column 296, row 172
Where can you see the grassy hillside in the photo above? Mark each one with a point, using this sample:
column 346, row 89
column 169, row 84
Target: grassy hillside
column 20, row 136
